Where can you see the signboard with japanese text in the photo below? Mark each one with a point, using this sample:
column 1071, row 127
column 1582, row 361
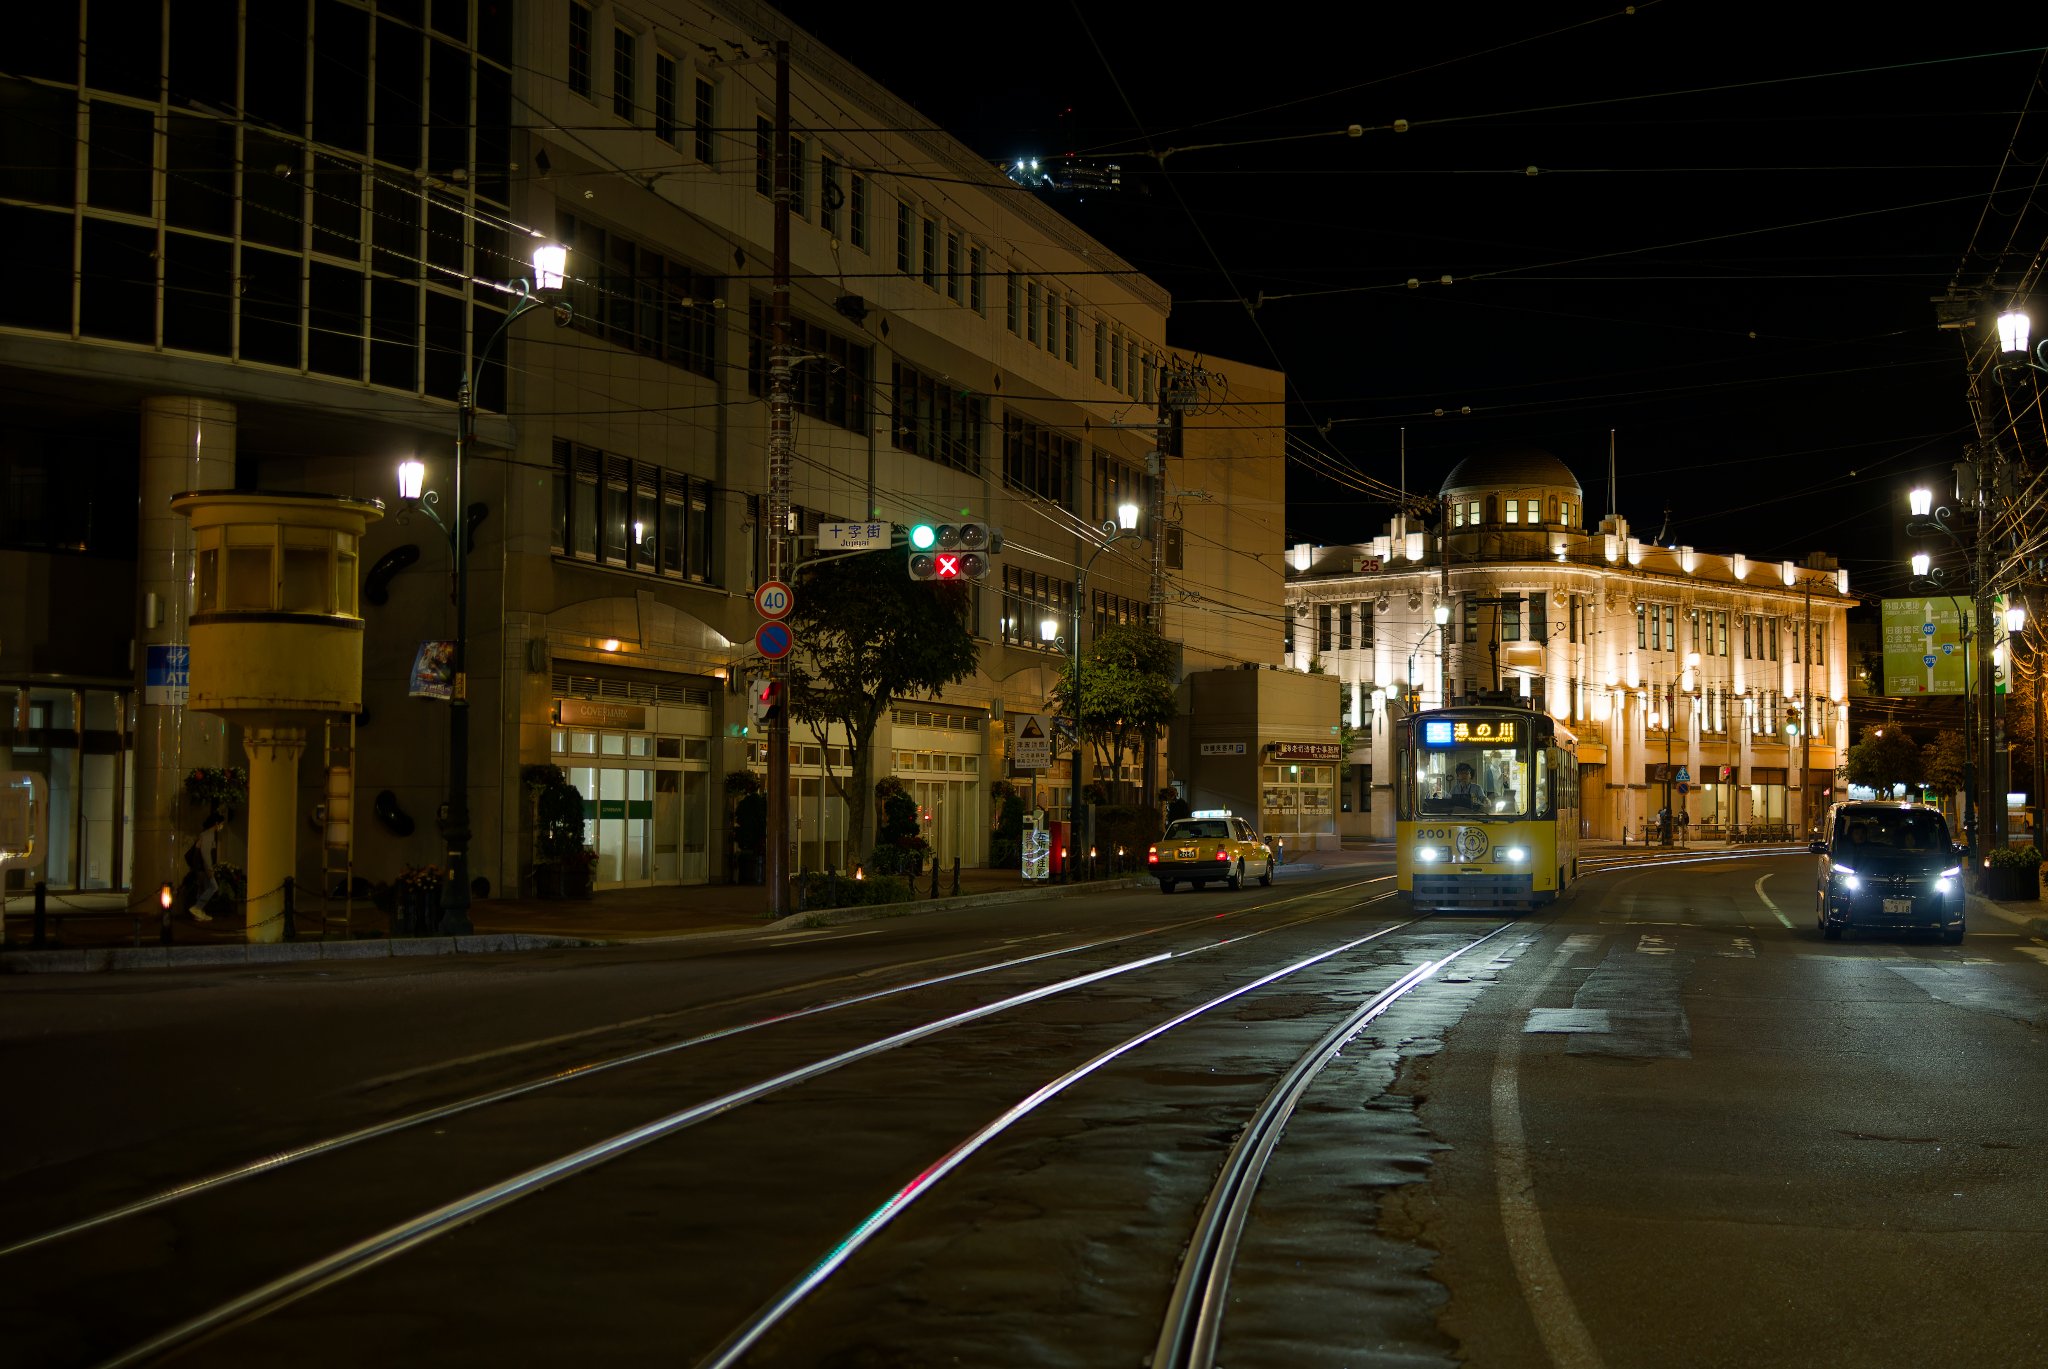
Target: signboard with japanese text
column 1925, row 646
column 1222, row 748
column 855, row 536
column 1030, row 741
column 1306, row 751
column 164, row 675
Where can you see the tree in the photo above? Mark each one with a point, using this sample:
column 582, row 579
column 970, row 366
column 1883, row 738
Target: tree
column 1127, row 691
column 1885, row 757
column 1944, row 762
column 869, row 635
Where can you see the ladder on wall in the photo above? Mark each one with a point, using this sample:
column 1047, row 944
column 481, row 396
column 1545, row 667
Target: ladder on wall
column 336, row 815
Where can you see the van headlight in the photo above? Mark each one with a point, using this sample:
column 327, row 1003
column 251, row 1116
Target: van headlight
column 1848, row 880
column 1943, row 886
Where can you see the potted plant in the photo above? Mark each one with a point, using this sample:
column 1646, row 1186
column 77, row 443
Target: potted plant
column 417, row 897
column 221, row 789
column 2013, row 873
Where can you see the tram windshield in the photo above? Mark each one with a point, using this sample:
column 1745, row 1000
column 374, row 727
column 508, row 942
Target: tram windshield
column 1468, row 767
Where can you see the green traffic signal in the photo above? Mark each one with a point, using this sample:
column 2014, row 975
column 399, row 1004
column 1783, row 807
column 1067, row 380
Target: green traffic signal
column 923, row 536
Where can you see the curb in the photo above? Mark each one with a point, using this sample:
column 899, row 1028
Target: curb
column 105, row 959
column 2032, row 922
column 870, row 912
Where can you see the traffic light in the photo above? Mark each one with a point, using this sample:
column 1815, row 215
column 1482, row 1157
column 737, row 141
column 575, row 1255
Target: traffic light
column 764, row 703
column 952, row 551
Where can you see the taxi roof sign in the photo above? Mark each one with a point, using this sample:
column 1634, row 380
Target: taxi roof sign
column 1210, row 813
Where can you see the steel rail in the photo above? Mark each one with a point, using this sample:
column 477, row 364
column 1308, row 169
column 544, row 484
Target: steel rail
column 270, row 1164
column 1194, row 1317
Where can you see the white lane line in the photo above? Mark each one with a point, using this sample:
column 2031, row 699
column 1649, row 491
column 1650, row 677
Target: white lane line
column 1767, row 900
column 1550, row 1302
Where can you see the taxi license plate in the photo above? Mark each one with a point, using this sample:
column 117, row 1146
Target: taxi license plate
column 1185, row 853
column 1898, row 905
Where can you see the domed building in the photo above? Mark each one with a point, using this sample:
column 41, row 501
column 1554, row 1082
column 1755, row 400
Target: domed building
column 1682, row 673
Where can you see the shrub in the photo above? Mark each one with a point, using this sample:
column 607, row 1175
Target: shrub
column 558, row 822
column 739, row 783
column 1005, row 853
column 886, row 889
column 750, row 824
column 1131, row 826
column 2013, row 858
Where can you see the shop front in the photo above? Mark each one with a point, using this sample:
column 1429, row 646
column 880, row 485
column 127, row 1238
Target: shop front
column 1263, row 744
column 79, row 741
column 940, row 755
column 645, row 775
column 1298, row 793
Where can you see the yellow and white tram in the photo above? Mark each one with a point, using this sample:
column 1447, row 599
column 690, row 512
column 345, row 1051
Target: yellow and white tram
column 1486, row 808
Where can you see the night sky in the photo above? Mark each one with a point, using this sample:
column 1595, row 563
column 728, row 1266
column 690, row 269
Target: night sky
column 1726, row 255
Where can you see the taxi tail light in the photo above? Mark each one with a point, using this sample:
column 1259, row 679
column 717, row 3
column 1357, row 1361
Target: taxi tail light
column 1223, row 853
column 1152, row 856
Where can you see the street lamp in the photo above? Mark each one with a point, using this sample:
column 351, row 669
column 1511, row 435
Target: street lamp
column 1121, row 528
column 550, row 263
column 1928, row 578
column 1442, row 615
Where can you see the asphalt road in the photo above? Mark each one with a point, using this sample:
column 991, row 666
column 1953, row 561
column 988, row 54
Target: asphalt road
column 1662, row 1124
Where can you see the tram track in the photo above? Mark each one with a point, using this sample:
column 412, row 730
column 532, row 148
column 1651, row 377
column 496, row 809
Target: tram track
column 1301, row 909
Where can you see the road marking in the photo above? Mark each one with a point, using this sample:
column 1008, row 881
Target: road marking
column 1767, row 899
column 1550, row 1303
column 2039, row 953
column 1649, row 943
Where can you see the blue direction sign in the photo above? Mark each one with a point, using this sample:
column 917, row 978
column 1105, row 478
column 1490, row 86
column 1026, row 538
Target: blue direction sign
column 164, row 674
column 774, row 640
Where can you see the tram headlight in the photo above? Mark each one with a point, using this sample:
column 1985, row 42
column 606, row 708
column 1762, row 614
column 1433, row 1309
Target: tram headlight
column 1426, row 854
column 1515, row 854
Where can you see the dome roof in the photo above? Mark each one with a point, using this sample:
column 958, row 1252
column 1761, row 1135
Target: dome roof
column 1515, row 466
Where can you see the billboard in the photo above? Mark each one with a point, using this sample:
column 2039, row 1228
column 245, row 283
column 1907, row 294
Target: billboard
column 1925, row 648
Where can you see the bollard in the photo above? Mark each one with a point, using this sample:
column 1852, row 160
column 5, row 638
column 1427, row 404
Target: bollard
column 956, row 877
column 40, row 919
column 291, row 926
column 935, row 877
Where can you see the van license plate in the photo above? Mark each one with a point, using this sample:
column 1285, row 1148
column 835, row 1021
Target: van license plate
column 1898, row 905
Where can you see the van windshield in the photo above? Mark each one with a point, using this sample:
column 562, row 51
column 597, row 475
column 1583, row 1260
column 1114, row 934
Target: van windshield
column 1891, row 831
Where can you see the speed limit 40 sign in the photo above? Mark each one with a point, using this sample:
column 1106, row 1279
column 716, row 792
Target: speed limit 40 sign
column 773, row 600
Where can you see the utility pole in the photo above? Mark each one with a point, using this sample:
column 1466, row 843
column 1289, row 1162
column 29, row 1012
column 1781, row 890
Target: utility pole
column 1991, row 805
column 1174, row 380
column 1806, row 709
column 781, row 441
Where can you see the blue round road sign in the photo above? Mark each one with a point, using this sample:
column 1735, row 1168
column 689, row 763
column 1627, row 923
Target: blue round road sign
column 773, row 640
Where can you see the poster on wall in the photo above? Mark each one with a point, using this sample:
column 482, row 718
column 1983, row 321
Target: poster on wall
column 433, row 671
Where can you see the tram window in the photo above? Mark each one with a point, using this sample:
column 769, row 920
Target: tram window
column 1540, row 791
column 1472, row 779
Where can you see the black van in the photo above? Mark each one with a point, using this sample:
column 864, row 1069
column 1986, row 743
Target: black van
column 1888, row 867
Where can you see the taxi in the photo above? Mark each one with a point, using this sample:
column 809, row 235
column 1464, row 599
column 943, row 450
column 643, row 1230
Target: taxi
column 1210, row 844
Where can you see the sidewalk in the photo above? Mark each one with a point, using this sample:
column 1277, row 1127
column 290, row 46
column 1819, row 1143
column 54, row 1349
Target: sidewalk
column 100, row 931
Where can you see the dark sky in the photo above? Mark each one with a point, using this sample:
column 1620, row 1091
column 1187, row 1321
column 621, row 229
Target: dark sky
column 1726, row 254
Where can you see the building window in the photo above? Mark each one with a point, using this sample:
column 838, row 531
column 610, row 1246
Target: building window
column 930, row 272
column 1343, row 627
column 640, row 299
column 1458, row 515
column 1720, row 634
column 1365, row 625
column 1511, row 616
column 1070, row 334
column 936, row 420
column 830, row 383
column 625, row 48
column 630, row 514
column 1031, row 311
column 1572, row 615
column 1052, row 323
column 665, row 98
column 1472, row 514
column 1323, row 627
column 830, row 196
column 579, row 50
column 953, row 267
column 1010, row 300
column 1116, row 361
column 1115, row 482
column 701, row 130
column 905, row 243
column 974, row 279
column 1671, row 627
column 1101, row 352
column 1539, row 617
column 857, row 211
column 1531, row 511
column 764, row 157
column 799, row 179
column 1471, row 624
column 1642, row 628
column 1028, row 599
column 1039, row 461
column 1513, row 507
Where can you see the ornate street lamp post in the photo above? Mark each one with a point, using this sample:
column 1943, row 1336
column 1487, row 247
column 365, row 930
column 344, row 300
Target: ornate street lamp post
column 550, row 262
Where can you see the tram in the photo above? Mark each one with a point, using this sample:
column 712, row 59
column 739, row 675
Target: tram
column 1486, row 808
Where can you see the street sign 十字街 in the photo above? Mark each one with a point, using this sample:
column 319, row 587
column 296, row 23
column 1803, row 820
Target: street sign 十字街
column 854, row 536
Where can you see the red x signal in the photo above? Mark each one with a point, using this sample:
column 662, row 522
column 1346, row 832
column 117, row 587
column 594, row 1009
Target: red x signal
column 946, row 566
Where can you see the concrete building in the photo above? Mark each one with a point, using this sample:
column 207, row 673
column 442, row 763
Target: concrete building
column 283, row 240
column 1673, row 665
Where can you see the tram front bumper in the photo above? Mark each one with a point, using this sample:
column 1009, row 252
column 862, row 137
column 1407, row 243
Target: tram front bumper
column 1477, row 891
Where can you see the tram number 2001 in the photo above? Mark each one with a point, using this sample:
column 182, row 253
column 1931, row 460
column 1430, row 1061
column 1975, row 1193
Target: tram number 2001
column 1426, row 832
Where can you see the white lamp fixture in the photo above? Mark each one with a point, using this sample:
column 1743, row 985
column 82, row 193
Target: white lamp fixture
column 1920, row 501
column 550, row 266
column 1127, row 516
column 2015, row 618
column 1921, row 562
column 411, row 476
column 2014, row 329
column 1048, row 629
column 1442, row 614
